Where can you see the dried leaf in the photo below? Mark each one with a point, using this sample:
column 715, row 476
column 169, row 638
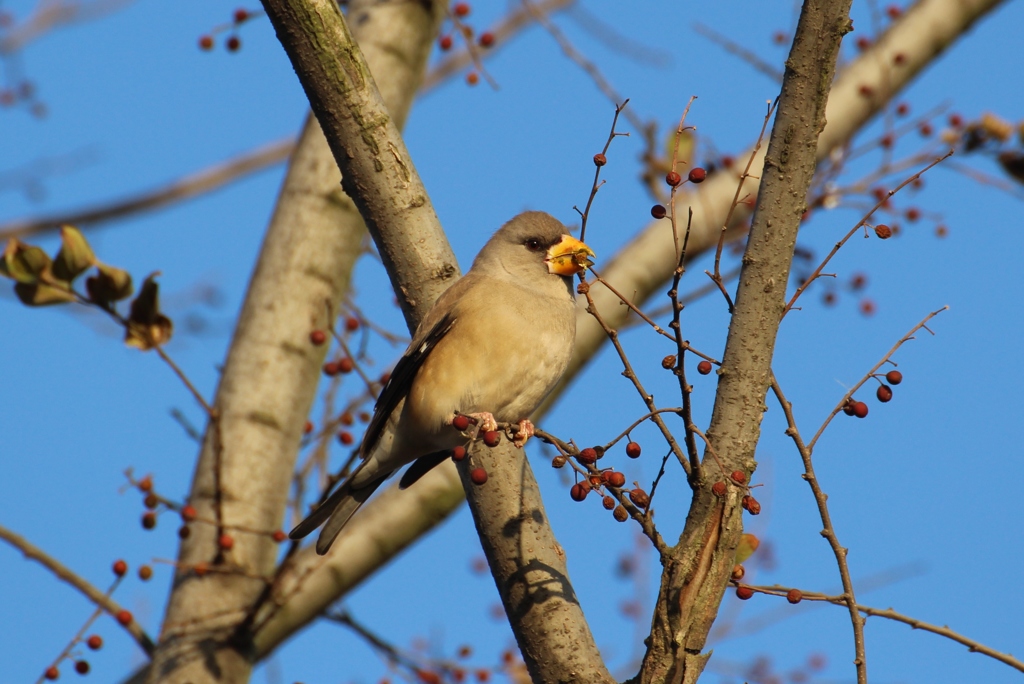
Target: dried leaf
column 110, row 284
column 39, row 294
column 24, row 263
column 75, row 255
column 147, row 327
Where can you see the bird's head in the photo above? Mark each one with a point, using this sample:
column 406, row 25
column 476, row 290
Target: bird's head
column 535, row 244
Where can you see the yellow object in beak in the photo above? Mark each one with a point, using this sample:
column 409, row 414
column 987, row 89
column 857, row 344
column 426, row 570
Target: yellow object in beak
column 569, row 257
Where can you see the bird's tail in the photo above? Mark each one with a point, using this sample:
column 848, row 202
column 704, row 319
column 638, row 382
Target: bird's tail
column 339, row 507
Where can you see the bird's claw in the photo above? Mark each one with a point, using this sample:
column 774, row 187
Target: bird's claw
column 484, row 421
column 525, row 432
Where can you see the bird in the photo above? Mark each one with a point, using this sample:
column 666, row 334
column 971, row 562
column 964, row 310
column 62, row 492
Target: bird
column 492, row 346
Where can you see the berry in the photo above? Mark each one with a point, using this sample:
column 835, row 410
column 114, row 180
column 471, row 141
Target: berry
column 673, row 178
column 860, row 409
column 318, row 337
column 330, row 369
column 464, row 652
column 445, row 43
column 151, row 501
column 669, row 362
column 205, row 42
column 887, row 141
column 124, row 618
column 697, row 174
column 738, row 476
column 82, row 667
column 478, row 476
column 750, row 505
column 925, row 130
column 145, row 573
column 902, row 109
column 743, row 593
column 894, row 377
column 718, row 488
column 233, row 44
column 587, row 456
column 461, row 9
column 794, row 596
column 95, row 642
column 351, row 324
column 893, row 11
column 241, row 14
column 346, row 365
column 658, row 211
column 52, row 673
column 200, row 569
column 955, row 120
column 639, row 498
column 460, row 422
column 608, row 503
column 579, row 491
column 632, row 450
column 600, row 159
column 145, row 484
column 858, row 281
column 458, row 453
column 492, row 438
column 620, row 514
column 486, row 39
column 188, row 513
column 148, row 520
column 346, row 418
column 307, row 428
column 226, row 542
column 472, row 78
column 848, row 408
column 345, row 437
column 613, row 479
column 899, row 58
column 883, row 231
column 912, row 214
column 704, row 367
column 279, row 536
column 184, row 531
column 863, row 43
column 866, row 90
column 727, row 161
column 884, row 393
column 558, row 462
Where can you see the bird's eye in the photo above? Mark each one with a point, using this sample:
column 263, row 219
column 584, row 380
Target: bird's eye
column 533, row 244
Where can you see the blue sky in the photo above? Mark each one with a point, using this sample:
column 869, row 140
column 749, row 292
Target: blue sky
column 923, row 490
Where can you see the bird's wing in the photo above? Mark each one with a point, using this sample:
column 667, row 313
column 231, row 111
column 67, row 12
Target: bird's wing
column 421, row 466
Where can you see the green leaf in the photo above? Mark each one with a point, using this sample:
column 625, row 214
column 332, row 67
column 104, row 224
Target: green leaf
column 75, row 255
column 40, row 294
column 110, row 284
column 24, row 263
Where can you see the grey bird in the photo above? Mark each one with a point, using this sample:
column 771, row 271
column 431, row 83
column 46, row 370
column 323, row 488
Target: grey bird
column 492, row 347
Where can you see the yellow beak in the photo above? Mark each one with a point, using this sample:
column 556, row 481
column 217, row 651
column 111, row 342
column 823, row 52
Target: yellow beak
column 569, row 257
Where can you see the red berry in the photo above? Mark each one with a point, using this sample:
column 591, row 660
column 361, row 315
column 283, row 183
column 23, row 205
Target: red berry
column 124, row 618
column 351, row 324
column 486, row 39
column 478, row 476
column 472, row 78
column 205, row 42
column 82, row 667
column 445, row 43
column 697, row 174
column 558, row 462
column 600, row 159
column 620, row 514
column 848, row 408
column 345, row 437
column 613, row 479
column 188, row 513
column 673, row 178
column 200, row 569
column 633, row 450
column 279, row 536
column 955, row 120
column 241, row 14
column 669, row 362
column 148, row 520
column 912, row 214
column 743, row 593
column 639, row 498
column 865, row 90
column 579, row 491
column 727, row 161
column 794, row 596
column 884, row 393
column 894, row 377
column 461, row 9
column 867, row 307
column 887, row 141
column 751, row 505
column 587, row 456
column 95, row 642
column 883, row 231
column 226, row 542
column 330, row 369
column 925, row 129
column 860, row 409
column 307, row 428
column 893, row 11
column 718, row 488
column 863, row 43
column 346, row 365
column 608, row 502
column 145, row 573
column 318, row 337
column 858, row 281
column 460, row 422
column 151, row 501
column 184, row 531
column 658, row 211
column 704, row 367
column 145, row 484
column 492, row 438
column 52, row 673
column 233, row 44
column 346, row 418
column 899, row 58
column 902, row 109
column 738, row 476
column 458, row 453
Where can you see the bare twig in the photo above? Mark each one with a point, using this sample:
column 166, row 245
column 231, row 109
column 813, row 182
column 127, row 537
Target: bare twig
column 743, row 53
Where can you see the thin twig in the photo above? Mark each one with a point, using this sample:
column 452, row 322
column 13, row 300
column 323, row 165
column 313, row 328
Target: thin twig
column 743, row 53
column 585, row 214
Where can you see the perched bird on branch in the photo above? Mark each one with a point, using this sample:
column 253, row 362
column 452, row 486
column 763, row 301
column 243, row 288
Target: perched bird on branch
column 492, row 347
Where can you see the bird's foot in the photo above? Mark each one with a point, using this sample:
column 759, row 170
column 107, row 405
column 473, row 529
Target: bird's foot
column 484, row 421
column 525, row 432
